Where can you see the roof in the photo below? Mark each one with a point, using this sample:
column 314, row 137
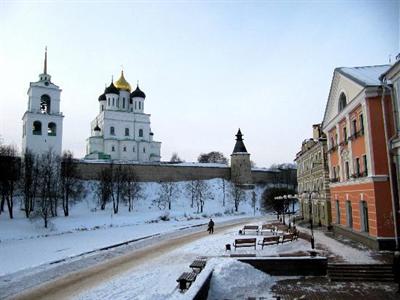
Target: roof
column 138, row 93
column 111, row 89
column 239, row 146
column 365, row 76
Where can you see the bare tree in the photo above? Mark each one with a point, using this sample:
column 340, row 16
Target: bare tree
column 223, row 188
column 9, row 173
column 29, row 181
column 237, row 194
column 71, row 186
column 202, row 193
column 119, row 179
column 168, row 191
column 191, row 191
column 104, row 186
column 132, row 189
column 49, row 183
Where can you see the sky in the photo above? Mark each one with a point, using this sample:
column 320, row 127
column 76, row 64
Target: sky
column 207, row 67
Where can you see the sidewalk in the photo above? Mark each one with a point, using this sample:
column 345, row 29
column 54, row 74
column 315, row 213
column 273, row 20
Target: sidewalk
column 321, row 288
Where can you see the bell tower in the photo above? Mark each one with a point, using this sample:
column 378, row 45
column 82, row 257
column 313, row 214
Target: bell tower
column 240, row 164
column 43, row 121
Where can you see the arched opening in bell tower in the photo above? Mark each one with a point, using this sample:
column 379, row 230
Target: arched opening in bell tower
column 45, row 104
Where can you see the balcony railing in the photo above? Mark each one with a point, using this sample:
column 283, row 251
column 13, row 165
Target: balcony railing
column 333, row 148
column 360, row 174
column 334, row 180
column 356, row 134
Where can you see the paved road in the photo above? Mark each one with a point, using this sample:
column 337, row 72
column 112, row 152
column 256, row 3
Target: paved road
column 75, row 277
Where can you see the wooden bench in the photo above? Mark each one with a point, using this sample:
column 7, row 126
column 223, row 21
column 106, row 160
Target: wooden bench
column 267, row 228
column 250, row 228
column 198, row 265
column 245, row 243
column 185, row 278
column 269, row 240
column 287, row 237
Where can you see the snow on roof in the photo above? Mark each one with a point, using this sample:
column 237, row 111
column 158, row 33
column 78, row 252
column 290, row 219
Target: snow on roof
column 366, row 76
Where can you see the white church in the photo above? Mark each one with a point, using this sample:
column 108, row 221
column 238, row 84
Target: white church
column 121, row 130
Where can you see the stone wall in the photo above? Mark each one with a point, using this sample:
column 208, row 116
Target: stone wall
column 166, row 172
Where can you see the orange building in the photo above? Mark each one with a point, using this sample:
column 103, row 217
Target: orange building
column 358, row 123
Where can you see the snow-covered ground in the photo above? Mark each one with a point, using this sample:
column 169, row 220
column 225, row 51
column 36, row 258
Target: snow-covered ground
column 26, row 243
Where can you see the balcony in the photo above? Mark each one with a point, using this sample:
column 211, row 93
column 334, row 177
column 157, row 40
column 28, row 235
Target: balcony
column 334, row 180
column 356, row 134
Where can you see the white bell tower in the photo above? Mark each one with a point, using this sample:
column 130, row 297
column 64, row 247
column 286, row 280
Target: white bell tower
column 42, row 122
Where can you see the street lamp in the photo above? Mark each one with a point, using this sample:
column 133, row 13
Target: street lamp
column 310, row 194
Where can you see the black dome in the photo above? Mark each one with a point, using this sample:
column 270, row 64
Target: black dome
column 102, row 97
column 111, row 89
column 97, row 128
column 138, row 93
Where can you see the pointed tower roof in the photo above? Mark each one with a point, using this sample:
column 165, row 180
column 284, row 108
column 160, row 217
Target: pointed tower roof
column 239, row 146
column 45, row 61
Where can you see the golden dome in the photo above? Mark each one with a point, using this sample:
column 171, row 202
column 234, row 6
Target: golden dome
column 122, row 84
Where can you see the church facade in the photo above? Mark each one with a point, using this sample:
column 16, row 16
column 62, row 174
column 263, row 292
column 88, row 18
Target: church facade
column 121, row 130
column 43, row 122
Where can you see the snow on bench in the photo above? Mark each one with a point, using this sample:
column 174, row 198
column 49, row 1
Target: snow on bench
column 185, row 278
column 245, row 243
column 250, row 228
column 269, row 240
column 288, row 237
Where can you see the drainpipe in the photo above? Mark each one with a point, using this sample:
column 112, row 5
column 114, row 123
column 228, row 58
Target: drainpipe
column 389, row 159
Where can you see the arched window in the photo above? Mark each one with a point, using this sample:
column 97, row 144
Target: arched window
column 140, row 132
column 52, row 129
column 45, row 104
column 342, row 102
column 112, row 148
column 112, row 130
column 37, row 128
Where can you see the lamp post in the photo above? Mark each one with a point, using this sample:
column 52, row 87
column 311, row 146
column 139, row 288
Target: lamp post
column 311, row 219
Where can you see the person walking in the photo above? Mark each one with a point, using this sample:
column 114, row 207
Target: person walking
column 211, row 227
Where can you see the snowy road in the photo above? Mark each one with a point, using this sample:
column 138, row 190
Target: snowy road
column 73, row 278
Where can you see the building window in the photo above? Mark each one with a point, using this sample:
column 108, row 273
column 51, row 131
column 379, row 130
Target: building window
column 354, row 130
column 112, row 130
column 108, row 101
column 144, row 150
column 140, row 132
column 342, row 102
column 349, row 214
column 123, row 102
column 135, row 104
column 113, row 101
column 357, row 167
column 365, row 165
column 345, row 134
column 52, row 129
column 337, row 212
column 126, row 131
column 124, row 149
column 364, row 216
column 112, row 148
column 37, row 128
column 347, row 170
column 140, row 105
column 361, row 123
column 102, row 107
column 133, row 149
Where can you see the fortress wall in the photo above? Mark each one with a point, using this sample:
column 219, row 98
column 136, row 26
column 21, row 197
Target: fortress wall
column 163, row 172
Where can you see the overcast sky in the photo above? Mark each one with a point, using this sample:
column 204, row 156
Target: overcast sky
column 207, row 68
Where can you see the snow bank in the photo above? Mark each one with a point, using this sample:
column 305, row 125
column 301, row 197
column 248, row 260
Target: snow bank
column 236, row 280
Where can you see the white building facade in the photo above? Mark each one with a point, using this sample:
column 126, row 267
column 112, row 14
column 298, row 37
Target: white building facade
column 43, row 121
column 121, row 130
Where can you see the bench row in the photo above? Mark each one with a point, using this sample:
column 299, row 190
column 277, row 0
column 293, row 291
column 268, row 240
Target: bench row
column 266, row 241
